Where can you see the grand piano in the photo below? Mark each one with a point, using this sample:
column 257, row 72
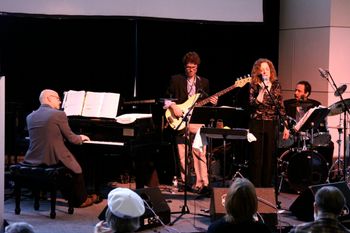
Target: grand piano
column 117, row 151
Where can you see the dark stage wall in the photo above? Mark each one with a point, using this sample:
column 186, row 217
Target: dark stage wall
column 109, row 53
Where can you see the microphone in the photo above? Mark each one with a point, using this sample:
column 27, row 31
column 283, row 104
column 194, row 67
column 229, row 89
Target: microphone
column 340, row 90
column 324, row 73
column 261, row 77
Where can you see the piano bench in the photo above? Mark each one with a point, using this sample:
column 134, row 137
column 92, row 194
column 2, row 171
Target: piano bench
column 37, row 179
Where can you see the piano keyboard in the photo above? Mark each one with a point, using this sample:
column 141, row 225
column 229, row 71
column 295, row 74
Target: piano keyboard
column 105, row 143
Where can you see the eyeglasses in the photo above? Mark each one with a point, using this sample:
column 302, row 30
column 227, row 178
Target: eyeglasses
column 56, row 97
column 191, row 67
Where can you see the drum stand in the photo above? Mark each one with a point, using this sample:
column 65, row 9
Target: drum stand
column 284, row 164
column 337, row 165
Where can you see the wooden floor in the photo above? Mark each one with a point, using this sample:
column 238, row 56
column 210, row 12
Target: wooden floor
column 196, row 218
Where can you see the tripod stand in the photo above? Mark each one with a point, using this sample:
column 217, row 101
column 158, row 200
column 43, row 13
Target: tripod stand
column 335, row 171
column 185, row 209
column 341, row 106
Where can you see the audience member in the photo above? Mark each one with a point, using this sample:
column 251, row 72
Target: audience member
column 19, row 227
column 328, row 205
column 241, row 206
column 124, row 208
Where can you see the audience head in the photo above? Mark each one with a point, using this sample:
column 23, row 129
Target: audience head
column 124, row 210
column 19, row 227
column 51, row 98
column 329, row 199
column 241, row 202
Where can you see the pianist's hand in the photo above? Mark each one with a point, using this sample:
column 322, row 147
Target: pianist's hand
column 84, row 137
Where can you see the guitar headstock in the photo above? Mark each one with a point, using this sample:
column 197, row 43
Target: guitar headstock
column 240, row 82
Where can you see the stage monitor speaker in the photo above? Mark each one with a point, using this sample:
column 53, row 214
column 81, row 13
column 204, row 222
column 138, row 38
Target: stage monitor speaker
column 156, row 201
column 266, row 204
column 302, row 207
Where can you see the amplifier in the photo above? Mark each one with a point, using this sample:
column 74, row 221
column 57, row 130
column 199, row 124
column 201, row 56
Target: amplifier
column 157, row 202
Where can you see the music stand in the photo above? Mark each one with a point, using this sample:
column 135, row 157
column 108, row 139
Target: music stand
column 311, row 120
column 314, row 119
column 232, row 117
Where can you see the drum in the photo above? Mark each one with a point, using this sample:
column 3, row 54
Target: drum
column 285, row 144
column 303, row 168
column 321, row 139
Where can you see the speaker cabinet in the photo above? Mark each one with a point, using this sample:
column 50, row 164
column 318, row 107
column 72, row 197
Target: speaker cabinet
column 266, row 204
column 156, row 201
column 303, row 208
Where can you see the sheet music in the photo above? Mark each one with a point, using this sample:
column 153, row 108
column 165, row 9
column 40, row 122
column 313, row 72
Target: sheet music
column 304, row 119
column 91, row 104
column 73, row 102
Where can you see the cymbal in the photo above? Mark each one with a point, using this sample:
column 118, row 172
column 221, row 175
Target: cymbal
column 293, row 103
column 338, row 107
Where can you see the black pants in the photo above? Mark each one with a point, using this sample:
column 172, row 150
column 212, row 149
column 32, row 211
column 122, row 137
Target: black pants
column 73, row 184
column 262, row 158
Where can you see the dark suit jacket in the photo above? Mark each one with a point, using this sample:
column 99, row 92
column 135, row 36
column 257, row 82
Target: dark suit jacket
column 48, row 129
column 178, row 88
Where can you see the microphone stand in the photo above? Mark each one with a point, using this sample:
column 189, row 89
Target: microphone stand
column 345, row 110
column 185, row 209
column 279, row 117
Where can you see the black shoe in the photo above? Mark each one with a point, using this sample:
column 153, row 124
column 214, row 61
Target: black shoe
column 181, row 188
column 204, row 190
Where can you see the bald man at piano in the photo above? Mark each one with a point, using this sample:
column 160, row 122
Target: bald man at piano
column 48, row 130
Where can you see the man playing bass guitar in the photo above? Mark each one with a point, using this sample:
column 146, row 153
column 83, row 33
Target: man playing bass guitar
column 182, row 88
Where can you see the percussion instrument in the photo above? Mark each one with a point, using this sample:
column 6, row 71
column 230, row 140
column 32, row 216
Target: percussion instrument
column 303, row 168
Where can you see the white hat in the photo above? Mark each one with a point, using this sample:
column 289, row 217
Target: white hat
column 125, row 203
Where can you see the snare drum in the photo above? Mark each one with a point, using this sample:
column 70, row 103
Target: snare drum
column 303, row 168
column 321, row 139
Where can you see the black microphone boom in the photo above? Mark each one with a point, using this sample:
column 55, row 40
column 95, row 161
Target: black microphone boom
column 324, row 73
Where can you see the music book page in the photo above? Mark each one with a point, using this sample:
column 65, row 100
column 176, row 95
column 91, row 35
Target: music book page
column 110, row 103
column 73, row 102
column 91, row 104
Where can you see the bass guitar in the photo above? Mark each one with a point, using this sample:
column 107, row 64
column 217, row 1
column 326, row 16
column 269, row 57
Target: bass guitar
column 177, row 123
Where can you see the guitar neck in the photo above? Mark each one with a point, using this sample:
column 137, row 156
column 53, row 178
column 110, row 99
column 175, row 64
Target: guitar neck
column 218, row 94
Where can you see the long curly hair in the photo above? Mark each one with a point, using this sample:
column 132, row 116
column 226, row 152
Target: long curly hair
column 256, row 70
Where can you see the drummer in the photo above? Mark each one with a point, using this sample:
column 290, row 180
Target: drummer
column 298, row 106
